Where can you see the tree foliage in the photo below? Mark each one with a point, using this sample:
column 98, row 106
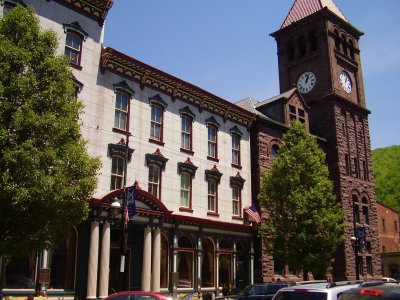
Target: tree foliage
column 46, row 173
column 305, row 221
column 386, row 163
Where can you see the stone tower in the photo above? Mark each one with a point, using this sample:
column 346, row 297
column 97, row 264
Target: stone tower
column 318, row 52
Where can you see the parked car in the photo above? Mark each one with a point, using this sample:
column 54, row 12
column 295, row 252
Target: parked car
column 134, row 295
column 382, row 290
column 259, row 291
column 315, row 290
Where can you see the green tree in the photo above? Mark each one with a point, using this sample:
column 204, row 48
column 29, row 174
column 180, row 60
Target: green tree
column 386, row 163
column 305, row 221
column 46, row 173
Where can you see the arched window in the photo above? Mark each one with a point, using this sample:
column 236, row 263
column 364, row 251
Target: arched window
column 75, row 36
column 185, row 262
column 351, row 47
column 274, row 150
column 337, row 39
column 212, row 142
column 365, row 213
column 158, row 106
column 344, row 45
column 313, row 41
column 301, row 45
column 164, row 262
column 123, row 95
column 187, row 118
column 290, row 50
column 356, row 209
column 207, row 265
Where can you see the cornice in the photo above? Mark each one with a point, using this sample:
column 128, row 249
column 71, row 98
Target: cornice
column 117, row 62
column 94, row 9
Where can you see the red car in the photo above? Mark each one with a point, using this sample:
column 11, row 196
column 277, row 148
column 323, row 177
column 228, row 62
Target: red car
column 133, row 295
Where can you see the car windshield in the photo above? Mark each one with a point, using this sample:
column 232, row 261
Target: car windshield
column 291, row 295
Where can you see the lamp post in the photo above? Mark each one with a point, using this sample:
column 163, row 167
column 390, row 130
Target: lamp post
column 355, row 245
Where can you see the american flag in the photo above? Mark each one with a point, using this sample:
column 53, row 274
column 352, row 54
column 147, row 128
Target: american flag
column 253, row 215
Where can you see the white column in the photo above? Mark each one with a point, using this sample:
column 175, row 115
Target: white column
column 199, row 257
column 156, row 265
column 93, row 261
column 146, row 275
column 104, row 261
column 251, row 263
column 234, row 263
column 217, row 267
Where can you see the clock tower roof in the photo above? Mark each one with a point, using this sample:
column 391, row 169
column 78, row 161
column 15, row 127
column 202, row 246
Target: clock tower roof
column 304, row 8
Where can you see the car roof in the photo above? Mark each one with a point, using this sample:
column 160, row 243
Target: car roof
column 322, row 286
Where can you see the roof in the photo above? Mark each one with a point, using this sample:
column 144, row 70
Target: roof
column 146, row 75
column 285, row 95
column 94, row 9
column 303, row 8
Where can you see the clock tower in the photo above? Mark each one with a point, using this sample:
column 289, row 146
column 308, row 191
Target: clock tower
column 319, row 53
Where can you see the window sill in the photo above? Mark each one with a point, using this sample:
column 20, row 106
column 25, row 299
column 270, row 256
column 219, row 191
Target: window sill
column 121, row 131
column 156, row 142
column 187, row 151
column 236, row 166
column 237, row 218
column 212, row 158
column 212, row 213
column 185, row 209
column 78, row 67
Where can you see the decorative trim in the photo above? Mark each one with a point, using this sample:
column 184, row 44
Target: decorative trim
column 157, row 100
column 94, row 9
column 185, row 209
column 75, row 27
column 236, row 130
column 123, row 85
column 120, row 63
column 237, row 180
column 156, row 159
column 187, row 167
column 214, row 174
column 188, row 112
column 120, row 149
column 211, row 121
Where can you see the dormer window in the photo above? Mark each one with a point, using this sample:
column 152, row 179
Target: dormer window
column 297, row 113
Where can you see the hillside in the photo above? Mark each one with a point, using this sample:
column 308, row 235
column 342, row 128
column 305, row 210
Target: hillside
column 386, row 163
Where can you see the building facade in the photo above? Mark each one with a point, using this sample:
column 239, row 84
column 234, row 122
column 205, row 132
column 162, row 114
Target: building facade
column 389, row 240
column 319, row 54
column 184, row 151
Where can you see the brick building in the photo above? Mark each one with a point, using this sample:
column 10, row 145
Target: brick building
column 389, row 240
column 319, row 54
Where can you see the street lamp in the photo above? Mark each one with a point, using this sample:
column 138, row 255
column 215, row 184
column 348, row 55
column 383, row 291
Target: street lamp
column 355, row 245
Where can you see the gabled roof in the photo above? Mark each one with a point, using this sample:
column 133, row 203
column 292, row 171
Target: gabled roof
column 303, row 8
column 286, row 95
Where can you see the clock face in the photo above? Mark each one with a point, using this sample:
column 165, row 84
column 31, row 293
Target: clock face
column 306, row 82
column 345, row 81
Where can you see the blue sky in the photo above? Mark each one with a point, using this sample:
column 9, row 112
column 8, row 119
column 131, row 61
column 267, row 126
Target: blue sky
column 224, row 47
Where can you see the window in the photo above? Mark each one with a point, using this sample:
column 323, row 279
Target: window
column 158, row 105
column 369, row 265
column 296, row 113
column 337, row 40
column 313, row 41
column 185, row 189
column 301, row 45
column 274, row 151
column 395, row 226
column 121, row 111
column 383, row 225
column 154, row 180
column 351, row 47
column 186, row 133
column 212, row 142
column 117, row 172
column 344, row 45
column 368, row 247
column 73, row 47
column 164, row 262
column 212, row 195
column 156, row 123
column 356, row 209
column 360, row 265
column 207, row 266
column 185, row 262
column 236, row 149
column 347, row 162
column 356, row 171
column 365, row 211
column 290, row 50
column 236, row 200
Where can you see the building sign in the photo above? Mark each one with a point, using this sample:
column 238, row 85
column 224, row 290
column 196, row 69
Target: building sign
column 44, row 276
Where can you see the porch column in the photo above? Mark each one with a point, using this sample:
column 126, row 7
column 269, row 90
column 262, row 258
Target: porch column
column 93, row 261
column 155, row 275
column 217, row 266
column 104, row 261
column 146, row 275
column 234, row 263
column 251, row 263
column 199, row 262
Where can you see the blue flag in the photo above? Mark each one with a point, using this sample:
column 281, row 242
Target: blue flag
column 130, row 200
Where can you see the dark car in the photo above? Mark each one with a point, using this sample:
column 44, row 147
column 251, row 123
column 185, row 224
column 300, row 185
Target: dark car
column 131, row 295
column 259, row 291
column 374, row 291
